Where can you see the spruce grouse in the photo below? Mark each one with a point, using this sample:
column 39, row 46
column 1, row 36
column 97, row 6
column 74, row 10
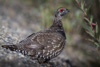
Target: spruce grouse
column 46, row 44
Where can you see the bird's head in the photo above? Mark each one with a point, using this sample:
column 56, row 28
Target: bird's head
column 61, row 11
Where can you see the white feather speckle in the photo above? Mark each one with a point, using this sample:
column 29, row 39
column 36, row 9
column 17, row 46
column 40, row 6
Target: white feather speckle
column 58, row 38
column 23, row 51
column 52, row 43
column 47, row 53
column 43, row 51
column 51, row 52
column 50, row 56
column 48, row 46
column 19, row 50
column 59, row 45
column 54, row 47
column 54, row 40
column 38, row 53
column 47, row 57
column 43, row 56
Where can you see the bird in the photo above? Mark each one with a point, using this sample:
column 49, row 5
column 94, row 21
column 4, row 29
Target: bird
column 45, row 44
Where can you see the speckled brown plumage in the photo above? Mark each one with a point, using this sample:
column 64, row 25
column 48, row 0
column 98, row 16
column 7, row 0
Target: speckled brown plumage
column 46, row 44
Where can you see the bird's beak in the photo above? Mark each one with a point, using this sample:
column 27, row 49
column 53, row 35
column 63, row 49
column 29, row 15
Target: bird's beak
column 67, row 10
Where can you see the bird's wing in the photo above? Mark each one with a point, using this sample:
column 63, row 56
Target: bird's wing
column 46, row 40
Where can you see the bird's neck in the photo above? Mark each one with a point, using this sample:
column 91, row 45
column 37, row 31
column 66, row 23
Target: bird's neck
column 57, row 26
column 57, row 22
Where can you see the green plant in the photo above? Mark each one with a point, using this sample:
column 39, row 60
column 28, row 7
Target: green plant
column 46, row 17
column 90, row 26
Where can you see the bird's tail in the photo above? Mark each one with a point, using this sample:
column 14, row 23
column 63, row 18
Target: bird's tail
column 11, row 47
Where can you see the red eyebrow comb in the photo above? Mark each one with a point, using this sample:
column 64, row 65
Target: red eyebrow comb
column 61, row 9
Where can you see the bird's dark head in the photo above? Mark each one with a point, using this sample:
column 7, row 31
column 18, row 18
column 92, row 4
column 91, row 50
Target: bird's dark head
column 61, row 11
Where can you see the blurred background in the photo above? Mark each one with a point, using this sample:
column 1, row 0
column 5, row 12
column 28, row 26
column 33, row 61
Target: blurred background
column 20, row 18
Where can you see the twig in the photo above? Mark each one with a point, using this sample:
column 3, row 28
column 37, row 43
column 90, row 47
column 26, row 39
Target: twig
column 86, row 16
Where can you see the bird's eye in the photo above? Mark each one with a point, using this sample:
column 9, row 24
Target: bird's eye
column 61, row 10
